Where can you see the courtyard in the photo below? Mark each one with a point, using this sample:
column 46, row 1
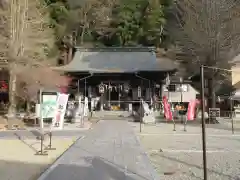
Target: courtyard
column 19, row 162
column 177, row 155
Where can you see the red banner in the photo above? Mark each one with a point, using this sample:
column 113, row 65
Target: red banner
column 191, row 110
column 167, row 109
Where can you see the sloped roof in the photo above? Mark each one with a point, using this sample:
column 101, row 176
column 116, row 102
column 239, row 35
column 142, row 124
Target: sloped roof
column 118, row 60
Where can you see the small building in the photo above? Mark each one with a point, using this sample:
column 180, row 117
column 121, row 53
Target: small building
column 117, row 75
column 178, row 91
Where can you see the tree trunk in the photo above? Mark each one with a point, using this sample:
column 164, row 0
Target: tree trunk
column 211, row 93
column 28, row 107
column 70, row 53
column 12, row 94
column 211, row 98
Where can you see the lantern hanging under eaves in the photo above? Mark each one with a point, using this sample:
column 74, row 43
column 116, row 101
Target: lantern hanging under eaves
column 110, row 88
column 101, row 88
column 139, row 91
column 90, row 91
column 126, row 88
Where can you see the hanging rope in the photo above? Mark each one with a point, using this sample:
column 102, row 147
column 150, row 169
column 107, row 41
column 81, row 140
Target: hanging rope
column 223, row 69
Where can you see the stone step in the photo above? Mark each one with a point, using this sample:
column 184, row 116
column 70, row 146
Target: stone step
column 111, row 115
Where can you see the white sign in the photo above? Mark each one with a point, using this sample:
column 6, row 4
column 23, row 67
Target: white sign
column 80, row 106
column 48, row 105
column 37, row 110
column 79, row 110
column 58, row 119
column 92, row 104
column 85, row 112
column 130, row 107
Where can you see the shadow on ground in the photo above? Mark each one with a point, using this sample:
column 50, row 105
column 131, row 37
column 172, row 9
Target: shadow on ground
column 220, row 126
column 97, row 169
column 221, row 174
column 13, row 170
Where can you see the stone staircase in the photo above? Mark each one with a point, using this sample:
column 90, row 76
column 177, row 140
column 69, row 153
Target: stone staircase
column 111, row 115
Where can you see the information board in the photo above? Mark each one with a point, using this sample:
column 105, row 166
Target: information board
column 214, row 113
column 49, row 103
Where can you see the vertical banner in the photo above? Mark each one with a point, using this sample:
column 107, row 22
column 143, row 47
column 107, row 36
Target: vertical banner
column 58, row 119
column 79, row 110
column 130, row 109
column 80, row 106
column 92, row 104
column 85, row 111
column 191, row 110
column 167, row 109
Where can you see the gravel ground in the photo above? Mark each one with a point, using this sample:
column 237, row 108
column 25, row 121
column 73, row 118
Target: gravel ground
column 178, row 155
column 19, row 162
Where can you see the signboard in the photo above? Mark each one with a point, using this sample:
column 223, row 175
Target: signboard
column 59, row 113
column 49, row 102
column 214, row 113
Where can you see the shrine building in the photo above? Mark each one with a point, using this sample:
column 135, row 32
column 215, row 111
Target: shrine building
column 117, row 75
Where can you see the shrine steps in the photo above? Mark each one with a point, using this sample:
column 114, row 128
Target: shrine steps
column 112, row 115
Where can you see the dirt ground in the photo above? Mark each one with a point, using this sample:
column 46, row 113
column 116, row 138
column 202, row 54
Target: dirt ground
column 177, row 155
column 19, row 162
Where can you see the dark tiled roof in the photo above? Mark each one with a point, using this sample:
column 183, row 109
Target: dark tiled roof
column 117, row 60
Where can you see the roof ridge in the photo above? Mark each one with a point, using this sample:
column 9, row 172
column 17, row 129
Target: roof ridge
column 117, row 49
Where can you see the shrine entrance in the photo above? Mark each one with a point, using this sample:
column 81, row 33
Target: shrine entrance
column 116, row 94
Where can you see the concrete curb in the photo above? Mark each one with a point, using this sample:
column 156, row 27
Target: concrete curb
column 45, row 173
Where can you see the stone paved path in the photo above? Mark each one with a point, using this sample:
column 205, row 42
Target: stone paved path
column 110, row 151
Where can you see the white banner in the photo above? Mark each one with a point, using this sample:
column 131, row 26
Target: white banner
column 58, row 120
column 85, row 113
column 79, row 113
column 80, row 106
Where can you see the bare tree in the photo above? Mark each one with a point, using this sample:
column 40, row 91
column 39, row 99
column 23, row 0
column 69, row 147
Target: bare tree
column 102, row 16
column 31, row 38
column 92, row 14
column 207, row 33
column 4, row 33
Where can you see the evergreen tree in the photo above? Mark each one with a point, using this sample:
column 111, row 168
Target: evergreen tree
column 138, row 23
column 153, row 24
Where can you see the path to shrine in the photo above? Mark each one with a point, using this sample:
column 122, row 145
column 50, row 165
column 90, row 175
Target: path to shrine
column 109, row 151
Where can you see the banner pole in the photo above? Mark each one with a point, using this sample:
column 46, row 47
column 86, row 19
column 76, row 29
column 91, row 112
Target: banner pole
column 203, row 123
column 174, row 125
column 231, row 113
column 41, row 152
column 141, row 116
column 50, row 142
column 185, row 124
column 41, row 106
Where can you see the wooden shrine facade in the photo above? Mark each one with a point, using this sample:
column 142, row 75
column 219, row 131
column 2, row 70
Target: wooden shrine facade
column 117, row 75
